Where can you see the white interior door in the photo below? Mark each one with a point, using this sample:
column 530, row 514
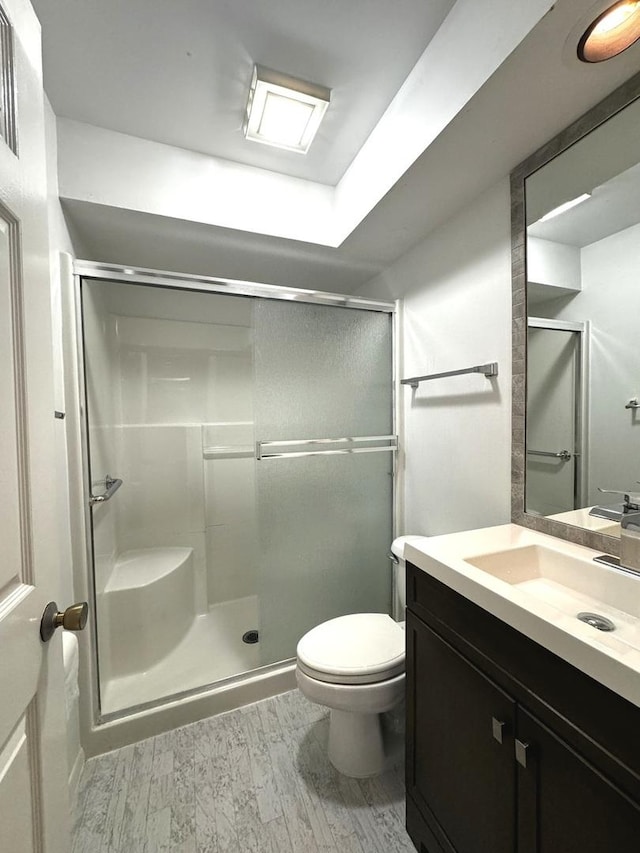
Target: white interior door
column 33, row 776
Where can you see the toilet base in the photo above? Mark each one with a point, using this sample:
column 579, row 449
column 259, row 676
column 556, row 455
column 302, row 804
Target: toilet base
column 356, row 745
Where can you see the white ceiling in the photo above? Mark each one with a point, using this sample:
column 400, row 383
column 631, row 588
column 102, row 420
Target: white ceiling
column 178, row 71
column 108, row 64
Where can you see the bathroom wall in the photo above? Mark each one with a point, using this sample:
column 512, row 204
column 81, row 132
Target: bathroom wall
column 60, row 241
column 457, row 313
column 457, row 289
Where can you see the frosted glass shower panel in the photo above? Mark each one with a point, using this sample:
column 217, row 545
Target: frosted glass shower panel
column 325, row 531
column 321, row 372
column 325, row 521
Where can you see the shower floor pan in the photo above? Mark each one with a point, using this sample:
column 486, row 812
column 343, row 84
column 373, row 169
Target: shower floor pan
column 211, row 649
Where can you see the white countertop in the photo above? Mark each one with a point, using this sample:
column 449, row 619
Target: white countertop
column 604, row 656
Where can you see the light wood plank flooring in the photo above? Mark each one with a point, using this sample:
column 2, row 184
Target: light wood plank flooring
column 255, row 779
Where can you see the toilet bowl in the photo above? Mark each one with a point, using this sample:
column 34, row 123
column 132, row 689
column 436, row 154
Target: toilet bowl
column 355, row 665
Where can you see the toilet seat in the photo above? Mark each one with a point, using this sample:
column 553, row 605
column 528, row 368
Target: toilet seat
column 361, row 648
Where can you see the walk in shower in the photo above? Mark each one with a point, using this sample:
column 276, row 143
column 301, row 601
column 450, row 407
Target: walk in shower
column 240, row 454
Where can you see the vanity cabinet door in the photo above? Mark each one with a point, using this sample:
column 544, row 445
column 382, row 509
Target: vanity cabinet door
column 461, row 772
column 566, row 804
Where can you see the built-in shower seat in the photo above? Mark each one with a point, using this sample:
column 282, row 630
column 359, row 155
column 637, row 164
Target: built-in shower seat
column 150, row 605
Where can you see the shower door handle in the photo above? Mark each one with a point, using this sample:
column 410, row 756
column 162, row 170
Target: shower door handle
column 326, row 446
column 565, row 455
column 111, row 487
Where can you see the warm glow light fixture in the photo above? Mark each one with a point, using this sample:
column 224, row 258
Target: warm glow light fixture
column 616, row 29
column 567, row 205
column 284, row 111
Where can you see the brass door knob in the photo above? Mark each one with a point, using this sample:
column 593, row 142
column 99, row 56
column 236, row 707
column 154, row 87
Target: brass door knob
column 74, row 618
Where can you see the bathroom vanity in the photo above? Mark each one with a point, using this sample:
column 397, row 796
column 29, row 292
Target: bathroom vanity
column 523, row 723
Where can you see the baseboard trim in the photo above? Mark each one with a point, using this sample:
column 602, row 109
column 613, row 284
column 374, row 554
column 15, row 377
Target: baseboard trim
column 74, row 776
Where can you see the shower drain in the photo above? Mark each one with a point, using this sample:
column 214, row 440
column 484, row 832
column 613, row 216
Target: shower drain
column 250, row 637
column 597, row 621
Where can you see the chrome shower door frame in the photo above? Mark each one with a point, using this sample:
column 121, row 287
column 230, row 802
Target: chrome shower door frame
column 108, row 731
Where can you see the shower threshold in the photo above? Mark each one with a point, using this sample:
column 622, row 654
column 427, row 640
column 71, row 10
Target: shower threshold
column 211, row 650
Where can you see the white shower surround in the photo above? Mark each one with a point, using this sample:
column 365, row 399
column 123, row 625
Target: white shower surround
column 210, row 651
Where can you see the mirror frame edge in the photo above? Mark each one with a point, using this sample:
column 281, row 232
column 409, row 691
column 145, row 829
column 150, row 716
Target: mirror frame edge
column 597, row 115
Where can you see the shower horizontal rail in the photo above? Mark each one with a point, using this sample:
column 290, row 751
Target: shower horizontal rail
column 112, row 484
column 336, row 446
column 489, row 369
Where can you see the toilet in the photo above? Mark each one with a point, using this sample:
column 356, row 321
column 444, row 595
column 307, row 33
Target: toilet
column 355, row 665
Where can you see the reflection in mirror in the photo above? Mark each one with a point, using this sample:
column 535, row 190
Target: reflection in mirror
column 555, row 473
column 583, row 352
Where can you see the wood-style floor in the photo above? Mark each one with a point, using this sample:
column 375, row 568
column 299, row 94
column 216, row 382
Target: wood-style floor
column 255, row 779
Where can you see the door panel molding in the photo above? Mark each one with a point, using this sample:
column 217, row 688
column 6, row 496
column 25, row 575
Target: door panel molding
column 10, row 226
column 8, row 126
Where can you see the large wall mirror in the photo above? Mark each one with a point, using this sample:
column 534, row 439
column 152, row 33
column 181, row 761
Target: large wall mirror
column 576, row 279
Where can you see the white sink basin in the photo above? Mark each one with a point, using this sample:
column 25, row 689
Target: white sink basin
column 539, row 585
column 570, row 584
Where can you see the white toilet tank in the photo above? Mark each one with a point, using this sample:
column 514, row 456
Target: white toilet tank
column 399, row 568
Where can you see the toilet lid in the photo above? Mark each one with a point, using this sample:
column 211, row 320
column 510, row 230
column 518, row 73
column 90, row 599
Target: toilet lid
column 361, row 647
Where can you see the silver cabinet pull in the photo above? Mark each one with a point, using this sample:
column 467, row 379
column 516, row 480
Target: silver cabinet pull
column 111, row 486
column 521, row 752
column 497, row 728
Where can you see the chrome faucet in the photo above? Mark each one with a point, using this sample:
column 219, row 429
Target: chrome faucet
column 616, row 512
column 630, row 541
column 630, row 502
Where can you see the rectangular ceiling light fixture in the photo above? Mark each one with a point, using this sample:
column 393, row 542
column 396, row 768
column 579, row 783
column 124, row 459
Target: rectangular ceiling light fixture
column 284, row 111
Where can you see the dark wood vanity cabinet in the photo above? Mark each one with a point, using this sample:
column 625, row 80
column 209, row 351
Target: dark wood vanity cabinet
column 509, row 748
column 459, row 770
column 566, row 803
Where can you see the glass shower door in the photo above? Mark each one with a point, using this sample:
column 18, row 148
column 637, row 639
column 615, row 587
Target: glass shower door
column 253, row 438
column 169, row 391
column 324, row 473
